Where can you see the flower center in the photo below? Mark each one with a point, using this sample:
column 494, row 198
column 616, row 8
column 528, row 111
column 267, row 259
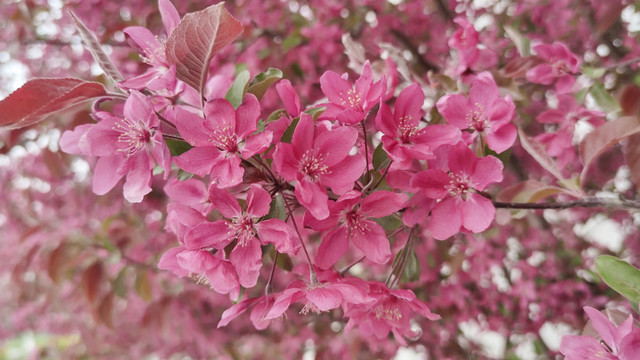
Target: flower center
column 313, row 165
column 352, row 100
column 224, row 138
column 458, row 184
column 356, row 222
column 387, row 312
column 477, row 118
column 242, row 227
column 133, row 136
column 406, row 130
column 559, row 68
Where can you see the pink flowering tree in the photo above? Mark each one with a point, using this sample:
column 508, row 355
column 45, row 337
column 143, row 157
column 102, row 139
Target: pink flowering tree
column 327, row 179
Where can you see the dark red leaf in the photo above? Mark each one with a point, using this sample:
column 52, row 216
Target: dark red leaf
column 93, row 45
column 632, row 152
column 537, row 151
column 629, row 100
column 518, row 68
column 91, row 280
column 605, row 136
column 39, row 98
column 198, row 37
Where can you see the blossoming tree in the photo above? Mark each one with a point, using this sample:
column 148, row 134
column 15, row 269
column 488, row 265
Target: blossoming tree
column 273, row 179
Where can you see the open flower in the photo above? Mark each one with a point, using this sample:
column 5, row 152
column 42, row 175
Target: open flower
column 560, row 65
column 319, row 157
column 221, row 140
column 403, row 138
column 455, row 180
column 347, row 103
column 484, row 113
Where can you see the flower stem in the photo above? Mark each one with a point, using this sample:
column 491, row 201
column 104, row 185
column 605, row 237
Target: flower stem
column 312, row 273
column 267, row 288
column 586, row 203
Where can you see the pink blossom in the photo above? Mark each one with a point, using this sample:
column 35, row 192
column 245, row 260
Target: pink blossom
column 126, row 146
column 455, row 180
column 161, row 77
column 484, row 112
column 620, row 342
column 351, row 220
column 243, row 227
column 347, row 103
column 319, row 157
column 560, row 64
column 404, row 139
column 392, row 311
column 221, row 140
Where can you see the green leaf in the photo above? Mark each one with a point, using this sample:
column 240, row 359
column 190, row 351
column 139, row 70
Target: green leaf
column 412, row 269
column 604, row 100
column 235, row 95
column 291, row 41
column 288, row 134
column 593, row 72
column 177, row 147
column 316, row 112
column 379, row 157
column 620, row 276
column 263, row 81
column 277, row 209
column 522, row 43
column 143, row 285
column 276, row 115
column 183, row 175
column 119, row 287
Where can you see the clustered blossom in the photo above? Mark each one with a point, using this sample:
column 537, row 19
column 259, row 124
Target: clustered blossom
column 355, row 209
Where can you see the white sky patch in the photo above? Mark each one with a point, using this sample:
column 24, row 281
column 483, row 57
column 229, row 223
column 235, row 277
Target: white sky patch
column 602, row 231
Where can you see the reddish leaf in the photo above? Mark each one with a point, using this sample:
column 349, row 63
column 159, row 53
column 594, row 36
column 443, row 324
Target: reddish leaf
column 104, row 312
column 529, row 191
column 198, row 37
column 143, row 286
column 629, row 99
column 57, row 261
column 632, row 152
column 93, row 45
column 537, row 151
column 91, row 280
column 518, row 68
column 39, row 98
column 605, row 136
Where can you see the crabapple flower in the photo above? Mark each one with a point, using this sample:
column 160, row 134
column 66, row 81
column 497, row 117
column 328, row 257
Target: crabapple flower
column 319, row 157
column 455, row 180
column 260, row 307
column 392, row 311
column 403, row 139
column 560, row 64
column 618, row 342
column 161, row 76
column 128, row 146
column 320, row 296
column 245, row 228
column 484, row 112
column 351, row 220
column 221, row 140
column 347, row 103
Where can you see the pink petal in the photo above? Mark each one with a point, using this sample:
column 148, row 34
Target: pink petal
column 138, row 182
column 488, row 170
column 227, row 172
column 199, row 160
column 190, row 126
column 577, row 347
column 502, row 139
column 477, row 213
column 335, row 88
column 454, row 109
column 258, row 202
column 247, row 116
column 224, row 202
column 197, row 261
column 334, row 245
column 302, row 139
column 219, row 114
column 256, row 144
column 333, row 146
column 437, row 135
column 283, row 302
column 372, row 242
column 170, row 16
column 247, row 260
column 169, row 261
column 630, row 346
column 484, row 91
column 161, row 153
column 209, row 235
column 188, row 192
column 408, row 107
column 541, row 74
column 75, row 141
column 324, row 298
column 432, row 182
column 236, row 310
column 138, row 108
column 313, row 196
column 259, row 312
column 285, row 162
column 109, row 170
column 289, row 97
column 278, row 233
column 501, row 111
column 223, row 278
column 385, row 121
column 148, row 43
column 383, row 203
column 603, row 326
column 343, row 175
column 461, row 159
column 446, row 218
